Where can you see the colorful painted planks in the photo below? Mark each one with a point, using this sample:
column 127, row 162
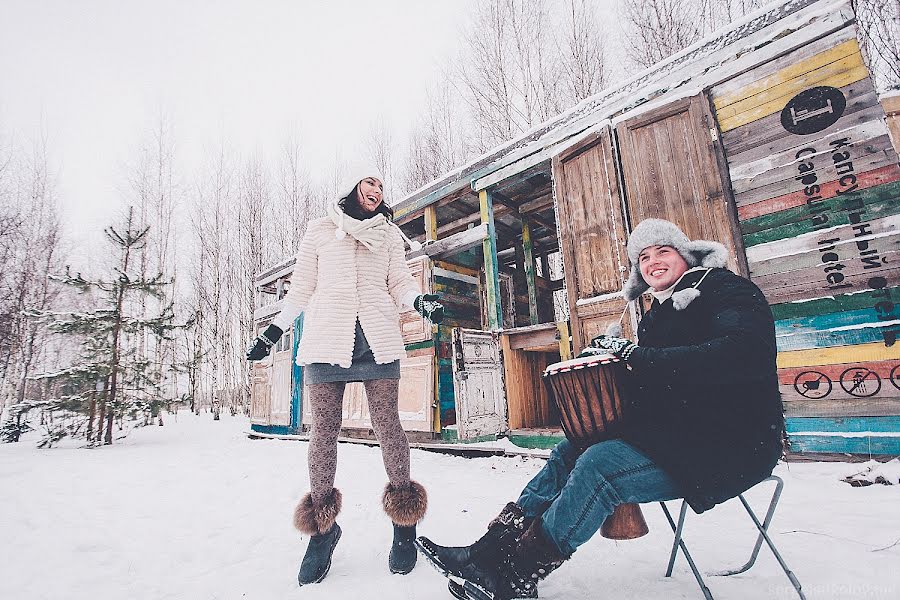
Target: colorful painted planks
column 880, row 201
column 843, row 259
column 882, row 300
column 767, row 135
column 835, row 67
column 868, row 179
column 835, row 329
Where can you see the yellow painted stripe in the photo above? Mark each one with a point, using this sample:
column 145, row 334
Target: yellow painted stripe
column 788, row 87
column 777, row 105
column 838, row 355
column 456, row 268
column 843, row 50
column 778, row 98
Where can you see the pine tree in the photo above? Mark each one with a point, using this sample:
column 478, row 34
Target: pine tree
column 110, row 380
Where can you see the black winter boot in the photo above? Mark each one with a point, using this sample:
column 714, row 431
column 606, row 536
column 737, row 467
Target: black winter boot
column 317, row 520
column 517, row 574
column 402, row 558
column 452, row 561
column 405, row 506
column 317, row 559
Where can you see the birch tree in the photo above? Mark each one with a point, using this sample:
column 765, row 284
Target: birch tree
column 878, row 23
column 30, row 248
column 293, row 197
column 657, row 29
column 583, row 50
column 155, row 194
column 211, row 228
column 436, row 143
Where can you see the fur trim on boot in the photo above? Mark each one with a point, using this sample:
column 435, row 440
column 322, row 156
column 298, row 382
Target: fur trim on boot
column 316, row 519
column 405, row 506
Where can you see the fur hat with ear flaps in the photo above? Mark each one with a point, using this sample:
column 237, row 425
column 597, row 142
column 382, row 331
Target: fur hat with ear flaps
column 658, row 232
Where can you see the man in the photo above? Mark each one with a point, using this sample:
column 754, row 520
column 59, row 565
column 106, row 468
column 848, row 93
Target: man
column 706, row 419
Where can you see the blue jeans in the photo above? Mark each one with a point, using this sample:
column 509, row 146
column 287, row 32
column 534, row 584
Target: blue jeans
column 575, row 491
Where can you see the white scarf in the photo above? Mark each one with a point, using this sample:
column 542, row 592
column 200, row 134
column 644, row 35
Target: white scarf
column 371, row 233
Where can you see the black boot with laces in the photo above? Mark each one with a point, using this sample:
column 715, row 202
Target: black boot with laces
column 456, row 562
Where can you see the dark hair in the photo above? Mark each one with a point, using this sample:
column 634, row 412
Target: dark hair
column 350, row 205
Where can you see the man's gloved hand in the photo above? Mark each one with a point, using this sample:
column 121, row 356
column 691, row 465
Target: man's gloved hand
column 262, row 345
column 428, row 306
column 591, row 351
column 614, row 345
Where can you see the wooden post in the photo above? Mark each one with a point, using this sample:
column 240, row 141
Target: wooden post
column 491, row 268
column 431, row 228
column 528, row 245
column 565, row 352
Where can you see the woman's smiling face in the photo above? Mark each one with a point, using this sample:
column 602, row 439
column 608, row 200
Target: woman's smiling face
column 661, row 266
column 370, row 194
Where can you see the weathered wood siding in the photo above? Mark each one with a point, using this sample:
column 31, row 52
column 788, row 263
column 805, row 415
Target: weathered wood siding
column 816, row 182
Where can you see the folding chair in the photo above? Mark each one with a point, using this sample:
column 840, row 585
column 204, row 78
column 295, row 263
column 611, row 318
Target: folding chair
column 763, row 527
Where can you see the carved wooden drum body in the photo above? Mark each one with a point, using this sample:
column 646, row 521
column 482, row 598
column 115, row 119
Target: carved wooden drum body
column 588, row 395
column 592, row 408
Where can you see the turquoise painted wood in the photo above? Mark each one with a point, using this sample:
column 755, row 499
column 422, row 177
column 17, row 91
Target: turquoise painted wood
column 275, row 429
column 845, row 445
column 818, row 331
column 826, row 321
column 833, row 304
column 804, row 434
column 491, row 268
column 843, row 424
column 296, row 377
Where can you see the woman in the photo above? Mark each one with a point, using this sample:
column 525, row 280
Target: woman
column 349, row 279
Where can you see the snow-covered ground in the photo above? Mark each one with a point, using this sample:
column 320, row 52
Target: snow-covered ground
column 196, row 510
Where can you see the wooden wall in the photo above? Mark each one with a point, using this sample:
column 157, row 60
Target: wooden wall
column 816, row 182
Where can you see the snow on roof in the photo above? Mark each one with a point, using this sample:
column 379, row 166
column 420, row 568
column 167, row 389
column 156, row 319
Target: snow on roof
column 652, row 86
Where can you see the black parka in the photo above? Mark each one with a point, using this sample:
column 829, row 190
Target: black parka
column 704, row 389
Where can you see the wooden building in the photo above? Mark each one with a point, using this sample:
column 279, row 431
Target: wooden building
column 767, row 136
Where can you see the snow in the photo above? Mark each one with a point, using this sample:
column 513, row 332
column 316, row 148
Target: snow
column 196, row 510
column 873, row 471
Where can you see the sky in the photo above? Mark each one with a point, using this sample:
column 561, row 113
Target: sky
column 94, row 76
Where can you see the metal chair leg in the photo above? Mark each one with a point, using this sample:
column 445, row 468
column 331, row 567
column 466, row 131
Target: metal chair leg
column 765, row 535
column 679, row 543
column 773, row 503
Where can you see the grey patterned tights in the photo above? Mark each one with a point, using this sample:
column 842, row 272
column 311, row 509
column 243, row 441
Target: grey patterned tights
column 325, row 401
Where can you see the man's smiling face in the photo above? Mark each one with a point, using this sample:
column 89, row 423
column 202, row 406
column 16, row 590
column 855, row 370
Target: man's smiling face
column 661, row 266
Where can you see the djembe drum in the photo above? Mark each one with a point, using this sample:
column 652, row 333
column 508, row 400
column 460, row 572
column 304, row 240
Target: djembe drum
column 588, row 395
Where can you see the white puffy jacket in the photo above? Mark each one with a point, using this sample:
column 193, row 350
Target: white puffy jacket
column 336, row 281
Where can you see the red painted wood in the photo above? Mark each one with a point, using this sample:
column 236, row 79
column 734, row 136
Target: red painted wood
column 829, row 190
column 882, row 368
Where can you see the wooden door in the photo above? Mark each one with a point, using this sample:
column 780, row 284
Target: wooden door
column 281, row 390
column 259, row 393
column 478, row 383
column 592, row 236
column 673, row 169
